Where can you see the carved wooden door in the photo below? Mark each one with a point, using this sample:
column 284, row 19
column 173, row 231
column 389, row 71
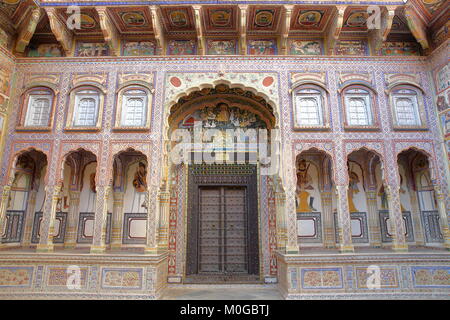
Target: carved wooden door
column 222, row 230
column 222, row 226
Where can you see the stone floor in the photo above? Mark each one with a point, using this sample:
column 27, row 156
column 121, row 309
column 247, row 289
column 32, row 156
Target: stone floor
column 225, row 292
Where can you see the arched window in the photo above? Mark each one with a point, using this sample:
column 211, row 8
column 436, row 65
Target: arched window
column 85, row 109
column 358, row 106
column 134, row 108
column 132, row 111
column 309, row 107
column 406, row 103
column 37, row 109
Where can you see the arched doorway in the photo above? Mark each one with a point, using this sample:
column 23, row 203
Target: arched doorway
column 215, row 142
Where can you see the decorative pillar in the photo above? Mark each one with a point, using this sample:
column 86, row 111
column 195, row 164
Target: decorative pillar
column 101, row 215
column 343, row 214
column 72, row 219
column 153, row 213
column 373, row 218
column 280, row 200
column 327, row 220
column 29, row 218
column 443, row 218
column 3, row 207
column 416, row 219
column 291, row 219
column 117, row 221
column 163, row 238
column 396, row 218
column 47, row 228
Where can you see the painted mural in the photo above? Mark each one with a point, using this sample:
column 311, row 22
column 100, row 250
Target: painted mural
column 400, row 49
column 356, row 19
column 310, row 18
column 222, row 116
column 443, row 78
column 305, row 200
column 91, row 49
column 351, row 48
column 46, row 50
column 5, row 78
column 133, row 18
column 263, row 47
column 181, row 47
column 138, row 48
column 305, row 47
column 221, row 47
column 221, row 18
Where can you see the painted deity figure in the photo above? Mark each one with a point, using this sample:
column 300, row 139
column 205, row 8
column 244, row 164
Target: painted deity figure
column 140, row 178
column 303, row 184
column 352, row 189
column 224, row 114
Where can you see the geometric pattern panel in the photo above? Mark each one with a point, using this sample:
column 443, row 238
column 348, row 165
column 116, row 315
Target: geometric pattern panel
column 60, row 227
column 358, row 221
column 386, row 236
column 16, row 276
column 86, row 227
column 431, row 226
column 322, row 278
column 132, row 228
column 115, row 278
column 309, row 227
column 388, row 277
column 431, row 277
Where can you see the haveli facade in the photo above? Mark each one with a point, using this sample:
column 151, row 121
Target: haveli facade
column 351, row 182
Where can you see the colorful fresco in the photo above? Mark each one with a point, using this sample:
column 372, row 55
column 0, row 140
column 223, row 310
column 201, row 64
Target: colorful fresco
column 178, row 18
column 91, row 49
column 46, row 50
column 351, row 47
column 181, row 47
column 356, row 19
column 443, row 78
column 305, row 47
column 138, row 48
column 310, row 18
column 133, row 19
column 220, row 17
column 87, row 22
column 4, row 87
column 433, row 5
column 264, row 18
column 400, row 49
column 262, row 47
column 222, row 116
column 221, row 47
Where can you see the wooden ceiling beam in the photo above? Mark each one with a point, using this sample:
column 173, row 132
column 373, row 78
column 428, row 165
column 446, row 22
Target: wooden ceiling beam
column 199, row 28
column 60, row 30
column 286, row 26
column 109, row 30
column 416, row 26
column 334, row 28
column 243, row 29
column 158, row 30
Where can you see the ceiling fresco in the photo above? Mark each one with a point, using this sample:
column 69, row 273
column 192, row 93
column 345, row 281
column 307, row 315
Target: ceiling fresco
column 355, row 19
column 221, row 19
column 89, row 20
column 310, row 18
column 132, row 19
column 178, row 19
column 263, row 19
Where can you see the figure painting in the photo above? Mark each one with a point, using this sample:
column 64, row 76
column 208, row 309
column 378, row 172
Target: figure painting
column 181, row 47
column 178, row 18
column 221, row 47
column 304, row 184
column 90, row 49
column 305, row 47
column 264, row 18
column 356, row 19
column 400, row 49
column 139, row 48
column 4, row 87
column 262, row 47
column 352, row 190
column 309, row 18
column 133, row 19
column 351, row 47
column 220, row 17
column 46, row 50
column 443, row 78
column 140, row 178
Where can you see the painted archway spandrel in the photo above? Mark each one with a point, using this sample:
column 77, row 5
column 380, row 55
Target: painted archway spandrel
column 68, row 147
column 376, row 146
column 263, row 82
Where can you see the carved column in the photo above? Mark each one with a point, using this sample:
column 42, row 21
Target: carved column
column 3, row 207
column 153, row 212
column 396, row 218
column 343, row 217
column 416, row 219
column 443, row 218
column 29, row 218
column 101, row 215
column 163, row 238
column 48, row 218
column 373, row 218
column 327, row 220
column 117, row 221
column 72, row 219
column 280, row 200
